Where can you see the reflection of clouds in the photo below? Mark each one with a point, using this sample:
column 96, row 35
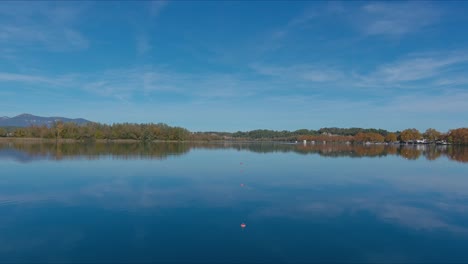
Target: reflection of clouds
column 424, row 182
column 456, row 207
column 277, row 185
column 30, row 239
column 395, row 213
column 415, row 210
column 306, row 210
column 390, row 205
column 416, row 218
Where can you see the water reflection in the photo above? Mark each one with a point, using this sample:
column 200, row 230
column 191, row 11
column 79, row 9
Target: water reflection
column 113, row 203
column 29, row 151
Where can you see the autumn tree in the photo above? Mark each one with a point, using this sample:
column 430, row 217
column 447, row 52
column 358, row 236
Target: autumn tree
column 376, row 137
column 432, row 134
column 410, row 134
column 391, row 137
column 20, row 132
column 458, row 136
column 58, row 127
column 368, row 137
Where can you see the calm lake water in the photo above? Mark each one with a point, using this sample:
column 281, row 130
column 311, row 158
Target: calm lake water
column 185, row 203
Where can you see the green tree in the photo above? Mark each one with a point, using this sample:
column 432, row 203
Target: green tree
column 3, row 132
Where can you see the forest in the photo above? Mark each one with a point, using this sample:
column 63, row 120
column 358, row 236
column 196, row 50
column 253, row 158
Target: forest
column 164, row 132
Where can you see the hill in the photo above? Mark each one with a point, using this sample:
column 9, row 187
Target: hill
column 26, row 120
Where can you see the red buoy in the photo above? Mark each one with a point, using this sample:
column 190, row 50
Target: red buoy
column 243, row 225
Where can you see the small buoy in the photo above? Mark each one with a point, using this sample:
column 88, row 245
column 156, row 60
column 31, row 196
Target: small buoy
column 243, row 225
column 241, row 163
column 242, row 185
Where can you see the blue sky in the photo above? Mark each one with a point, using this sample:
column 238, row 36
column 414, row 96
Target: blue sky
column 225, row 65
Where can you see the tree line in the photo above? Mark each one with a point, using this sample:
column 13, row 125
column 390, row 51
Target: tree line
column 358, row 135
column 151, row 132
column 93, row 131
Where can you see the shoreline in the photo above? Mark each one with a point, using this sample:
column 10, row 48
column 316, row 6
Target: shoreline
column 47, row 140
column 69, row 140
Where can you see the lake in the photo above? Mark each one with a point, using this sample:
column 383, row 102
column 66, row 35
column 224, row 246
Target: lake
column 232, row 203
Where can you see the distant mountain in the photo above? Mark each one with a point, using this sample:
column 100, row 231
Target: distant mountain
column 26, row 120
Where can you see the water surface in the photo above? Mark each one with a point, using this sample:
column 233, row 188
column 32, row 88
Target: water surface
column 180, row 202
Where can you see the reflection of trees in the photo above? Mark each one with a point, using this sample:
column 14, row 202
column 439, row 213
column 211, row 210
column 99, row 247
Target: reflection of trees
column 393, row 149
column 372, row 151
column 95, row 150
column 26, row 151
column 458, row 153
column 432, row 152
column 410, row 152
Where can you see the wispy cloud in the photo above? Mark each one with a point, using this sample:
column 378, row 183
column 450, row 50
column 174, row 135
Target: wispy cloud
column 415, row 74
column 124, row 84
column 299, row 72
column 396, row 19
column 53, row 27
column 274, row 39
column 147, row 82
column 415, row 68
column 448, row 102
column 152, row 81
column 309, row 15
column 9, row 77
column 305, row 17
column 25, row 78
column 143, row 44
column 156, row 6
column 390, row 19
column 452, row 82
column 143, row 40
column 421, row 73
